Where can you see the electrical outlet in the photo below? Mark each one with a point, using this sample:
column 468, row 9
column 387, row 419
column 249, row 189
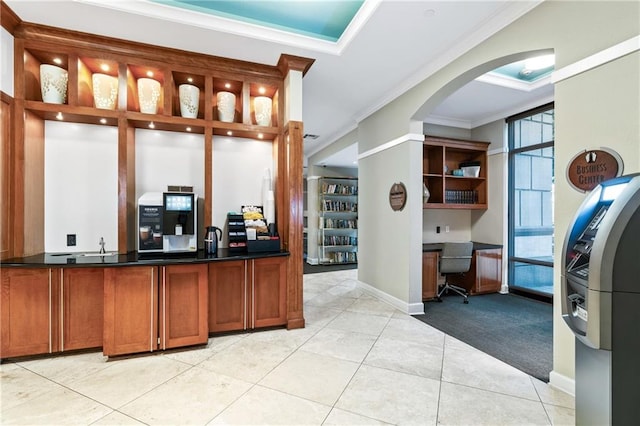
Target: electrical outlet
column 71, row 240
column 446, row 228
column 437, row 229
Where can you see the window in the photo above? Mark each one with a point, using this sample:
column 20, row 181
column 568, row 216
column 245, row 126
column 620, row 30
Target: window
column 531, row 179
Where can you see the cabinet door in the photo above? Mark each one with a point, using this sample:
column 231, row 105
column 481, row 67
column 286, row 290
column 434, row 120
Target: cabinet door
column 268, row 292
column 227, row 296
column 488, row 270
column 130, row 310
column 29, row 306
column 184, row 306
column 81, row 308
column 429, row 275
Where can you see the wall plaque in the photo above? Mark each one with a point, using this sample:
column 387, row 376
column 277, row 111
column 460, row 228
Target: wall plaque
column 590, row 167
column 397, row 196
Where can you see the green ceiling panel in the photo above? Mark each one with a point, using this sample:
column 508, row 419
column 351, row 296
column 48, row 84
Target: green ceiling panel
column 325, row 20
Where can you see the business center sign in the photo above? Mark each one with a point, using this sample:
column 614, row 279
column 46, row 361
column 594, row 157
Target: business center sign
column 590, row 167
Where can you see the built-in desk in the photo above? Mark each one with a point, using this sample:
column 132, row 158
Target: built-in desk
column 484, row 276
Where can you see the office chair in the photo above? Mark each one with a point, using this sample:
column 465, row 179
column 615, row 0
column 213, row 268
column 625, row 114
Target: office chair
column 455, row 259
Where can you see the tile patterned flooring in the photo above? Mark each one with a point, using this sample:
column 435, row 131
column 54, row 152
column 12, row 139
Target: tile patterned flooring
column 358, row 361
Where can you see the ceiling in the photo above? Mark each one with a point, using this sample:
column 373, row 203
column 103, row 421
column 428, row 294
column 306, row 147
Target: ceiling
column 388, row 47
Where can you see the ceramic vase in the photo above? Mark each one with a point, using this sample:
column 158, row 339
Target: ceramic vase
column 105, row 91
column 189, row 100
column 226, row 106
column 425, row 194
column 148, row 95
column 262, row 109
column 53, row 83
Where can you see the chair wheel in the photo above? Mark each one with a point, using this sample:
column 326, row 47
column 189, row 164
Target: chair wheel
column 439, row 299
column 466, row 301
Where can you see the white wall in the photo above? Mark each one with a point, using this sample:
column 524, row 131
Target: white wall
column 81, row 163
column 168, row 158
column 6, row 62
column 81, row 186
column 588, row 112
column 238, row 169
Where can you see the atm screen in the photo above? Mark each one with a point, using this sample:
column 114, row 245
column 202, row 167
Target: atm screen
column 178, row 203
column 587, row 225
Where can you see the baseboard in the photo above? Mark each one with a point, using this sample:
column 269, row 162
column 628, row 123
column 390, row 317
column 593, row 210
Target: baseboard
column 408, row 308
column 313, row 260
column 562, row 382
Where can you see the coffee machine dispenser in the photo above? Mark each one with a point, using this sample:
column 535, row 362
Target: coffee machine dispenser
column 167, row 222
column 601, row 302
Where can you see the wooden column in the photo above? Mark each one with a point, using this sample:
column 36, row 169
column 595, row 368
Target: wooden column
column 294, row 237
column 126, row 186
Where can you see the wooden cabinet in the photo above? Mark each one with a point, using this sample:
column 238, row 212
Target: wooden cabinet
column 247, row 294
column 81, row 308
column 130, row 310
column 29, row 312
column 485, row 273
column 441, row 156
column 227, row 296
column 429, row 275
column 488, row 267
column 268, row 292
column 183, row 316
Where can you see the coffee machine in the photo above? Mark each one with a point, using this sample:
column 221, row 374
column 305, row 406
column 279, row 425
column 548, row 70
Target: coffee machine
column 167, row 222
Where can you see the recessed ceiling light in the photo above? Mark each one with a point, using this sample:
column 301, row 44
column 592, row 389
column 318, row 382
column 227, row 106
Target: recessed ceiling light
column 104, row 67
column 149, row 73
column 188, row 129
column 190, row 80
column 262, row 90
column 59, row 116
column 103, row 121
column 57, row 61
column 260, row 135
column 229, row 133
column 227, row 85
column 152, row 126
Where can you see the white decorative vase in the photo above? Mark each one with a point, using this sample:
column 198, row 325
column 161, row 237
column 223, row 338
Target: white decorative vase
column 262, row 109
column 105, row 91
column 226, row 106
column 189, row 100
column 425, row 194
column 53, row 83
column 148, row 95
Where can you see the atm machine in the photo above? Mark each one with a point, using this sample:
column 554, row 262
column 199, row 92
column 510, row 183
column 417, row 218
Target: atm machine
column 601, row 302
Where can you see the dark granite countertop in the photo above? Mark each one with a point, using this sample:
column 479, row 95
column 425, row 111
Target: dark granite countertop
column 476, row 246
column 129, row 259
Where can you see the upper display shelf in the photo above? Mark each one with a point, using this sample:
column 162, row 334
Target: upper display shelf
column 155, row 90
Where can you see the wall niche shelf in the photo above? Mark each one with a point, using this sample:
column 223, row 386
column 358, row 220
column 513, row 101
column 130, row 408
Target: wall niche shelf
column 441, row 156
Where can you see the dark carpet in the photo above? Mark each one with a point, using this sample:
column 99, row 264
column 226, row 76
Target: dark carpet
column 514, row 329
column 313, row 269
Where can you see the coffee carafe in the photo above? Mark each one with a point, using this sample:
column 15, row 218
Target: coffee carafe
column 211, row 239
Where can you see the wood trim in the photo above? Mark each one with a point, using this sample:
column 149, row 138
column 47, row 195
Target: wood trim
column 208, row 178
column 33, row 185
column 75, row 41
column 9, row 19
column 6, row 169
column 295, row 131
column 288, row 63
column 126, row 186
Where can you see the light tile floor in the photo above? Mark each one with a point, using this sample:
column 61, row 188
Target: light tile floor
column 358, row 361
